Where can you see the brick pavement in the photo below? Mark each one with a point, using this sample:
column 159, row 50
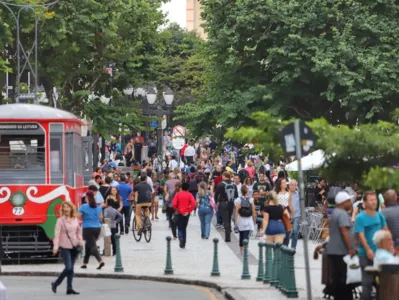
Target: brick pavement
column 194, row 262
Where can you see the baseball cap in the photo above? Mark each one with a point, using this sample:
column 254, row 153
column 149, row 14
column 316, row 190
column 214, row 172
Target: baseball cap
column 341, row 197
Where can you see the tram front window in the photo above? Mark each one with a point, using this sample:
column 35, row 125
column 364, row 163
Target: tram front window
column 19, row 152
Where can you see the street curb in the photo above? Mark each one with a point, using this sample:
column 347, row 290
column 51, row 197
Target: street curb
column 228, row 293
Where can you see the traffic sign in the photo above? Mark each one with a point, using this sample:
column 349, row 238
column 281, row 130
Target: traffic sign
column 179, row 131
column 153, row 124
column 178, row 143
column 288, row 141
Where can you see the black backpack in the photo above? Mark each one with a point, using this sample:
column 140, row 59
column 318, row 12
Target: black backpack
column 243, row 174
column 245, row 210
column 192, row 184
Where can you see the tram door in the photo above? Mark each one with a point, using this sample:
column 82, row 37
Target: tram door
column 87, row 146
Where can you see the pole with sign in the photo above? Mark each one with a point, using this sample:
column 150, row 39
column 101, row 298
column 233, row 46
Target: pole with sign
column 297, row 138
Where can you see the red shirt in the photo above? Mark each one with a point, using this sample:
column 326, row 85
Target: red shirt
column 183, row 202
column 218, row 180
column 183, row 149
column 251, row 172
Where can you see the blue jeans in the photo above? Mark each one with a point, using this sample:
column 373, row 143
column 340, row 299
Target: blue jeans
column 295, row 232
column 69, row 261
column 218, row 218
column 205, row 215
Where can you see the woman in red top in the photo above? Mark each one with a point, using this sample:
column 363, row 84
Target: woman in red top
column 183, row 204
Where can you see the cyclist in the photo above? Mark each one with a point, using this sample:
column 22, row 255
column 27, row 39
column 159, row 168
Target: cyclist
column 142, row 196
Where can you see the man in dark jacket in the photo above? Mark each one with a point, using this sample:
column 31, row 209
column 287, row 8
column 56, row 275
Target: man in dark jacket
column 225, row 194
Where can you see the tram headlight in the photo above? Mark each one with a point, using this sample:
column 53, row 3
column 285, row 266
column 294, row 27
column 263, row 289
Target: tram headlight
column 18, row 199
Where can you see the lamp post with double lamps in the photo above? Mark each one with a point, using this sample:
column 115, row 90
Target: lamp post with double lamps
column 158, row 108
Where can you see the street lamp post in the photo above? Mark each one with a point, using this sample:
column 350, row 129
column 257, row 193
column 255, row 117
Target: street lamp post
column 22, row 52
column 157, row 108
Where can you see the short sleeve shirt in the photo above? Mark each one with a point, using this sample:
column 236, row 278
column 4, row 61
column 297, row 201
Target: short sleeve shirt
column 369, row 225
column 144, row 191
column 339, row 218
column 90, row 216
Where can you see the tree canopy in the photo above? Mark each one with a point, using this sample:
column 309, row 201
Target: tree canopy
column 309, row 59
column 364, row 154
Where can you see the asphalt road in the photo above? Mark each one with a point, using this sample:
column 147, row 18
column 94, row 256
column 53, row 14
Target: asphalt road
column 38, row 288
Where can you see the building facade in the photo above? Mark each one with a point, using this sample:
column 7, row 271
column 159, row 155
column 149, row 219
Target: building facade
column 193, row 17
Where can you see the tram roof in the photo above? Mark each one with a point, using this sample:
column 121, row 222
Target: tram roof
column 33, row 111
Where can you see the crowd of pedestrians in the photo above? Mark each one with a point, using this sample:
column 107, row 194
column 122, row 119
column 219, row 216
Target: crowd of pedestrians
column 247, row 195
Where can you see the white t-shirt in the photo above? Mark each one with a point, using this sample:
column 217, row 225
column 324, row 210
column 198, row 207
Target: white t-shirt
column 190, row 151
column 173, row 165
column 244, row 223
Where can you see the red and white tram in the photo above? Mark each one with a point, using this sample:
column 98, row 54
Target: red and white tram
column 43, row 161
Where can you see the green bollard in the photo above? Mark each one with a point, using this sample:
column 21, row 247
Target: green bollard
column 276, row 265
column 291, row 291
column 260, row 263
column 118, row 261
column 215, row 267
column 168, row 267
column 284, row 271
column 268, row 272
column 245, row 268
column 279, row 261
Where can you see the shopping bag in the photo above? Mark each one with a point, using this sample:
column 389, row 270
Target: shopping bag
column 354, row 272
column 105, row 230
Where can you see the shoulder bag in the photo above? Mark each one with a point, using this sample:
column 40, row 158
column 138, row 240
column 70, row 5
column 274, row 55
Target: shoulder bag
column 76, row 250
column 286, row 221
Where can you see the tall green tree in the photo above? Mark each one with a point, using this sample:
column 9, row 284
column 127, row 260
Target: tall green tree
column 308, row 59
column 364, row 154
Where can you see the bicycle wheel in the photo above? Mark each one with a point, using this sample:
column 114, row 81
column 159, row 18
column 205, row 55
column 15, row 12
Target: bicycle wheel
column 147, row 229
column 135, row 232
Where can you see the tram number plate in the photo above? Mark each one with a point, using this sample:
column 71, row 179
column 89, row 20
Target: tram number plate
column 18, row 211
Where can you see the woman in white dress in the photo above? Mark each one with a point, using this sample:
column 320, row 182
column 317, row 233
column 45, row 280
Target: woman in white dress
column 245, row 216
column 284, row 198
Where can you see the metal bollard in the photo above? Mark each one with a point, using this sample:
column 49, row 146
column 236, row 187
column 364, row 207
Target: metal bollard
column 284, row 270
column 260, row 263
column 107, row 239
column 118, row 262
column 168, row 267
column 215, row 267
column 276, row 264
column 268, row 271
column 245, row 269
column 291, row 290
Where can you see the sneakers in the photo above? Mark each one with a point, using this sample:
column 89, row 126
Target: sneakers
column 127, row 230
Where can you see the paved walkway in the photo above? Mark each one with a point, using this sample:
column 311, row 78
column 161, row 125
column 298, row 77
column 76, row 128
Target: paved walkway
column 195, row 262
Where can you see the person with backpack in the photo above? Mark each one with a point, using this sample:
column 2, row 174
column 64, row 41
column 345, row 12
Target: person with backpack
column 205, row 206
column 225, row 194
column 192, row 181
column 245, row 216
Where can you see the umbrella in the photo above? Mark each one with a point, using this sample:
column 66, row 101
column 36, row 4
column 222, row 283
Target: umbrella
column 311, row 161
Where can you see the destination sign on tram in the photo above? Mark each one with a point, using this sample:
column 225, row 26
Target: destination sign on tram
column 19, row 126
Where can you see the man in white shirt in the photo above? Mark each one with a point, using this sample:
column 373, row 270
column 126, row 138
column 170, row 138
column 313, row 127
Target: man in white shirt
column 189, row 154
column 173, row 164
column 238, row 184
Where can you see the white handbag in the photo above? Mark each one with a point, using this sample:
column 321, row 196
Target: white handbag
column 105, row 230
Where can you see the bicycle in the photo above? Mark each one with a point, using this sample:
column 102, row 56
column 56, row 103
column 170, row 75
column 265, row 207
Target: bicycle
column 146, row 226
